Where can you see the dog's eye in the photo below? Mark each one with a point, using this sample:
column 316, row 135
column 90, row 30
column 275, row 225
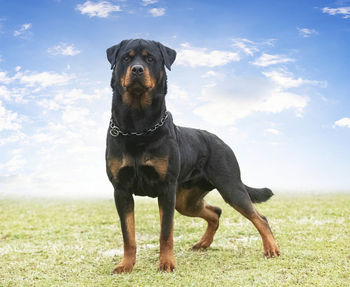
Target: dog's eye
column 149, row 59
column 126, row 59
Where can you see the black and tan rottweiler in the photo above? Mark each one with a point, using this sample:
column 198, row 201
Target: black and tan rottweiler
column 148, row 155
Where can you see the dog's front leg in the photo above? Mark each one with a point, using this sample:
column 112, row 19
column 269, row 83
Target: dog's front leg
column 125, row 207
column 166, row 203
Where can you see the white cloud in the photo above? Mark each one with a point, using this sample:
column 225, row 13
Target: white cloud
column 148, row 2
column 73, row 114
column 49, row 105
column 201, row 57
column 286, row 80
column 75, row 138
column 306, row 33
column 344, row 122
column 55, row 134
column 43, row 79
column 32, row 82
column 344, row 11
column 247, row 46
column 12, row 138
column 177, row 93
column 22, row 30
column 73, row 95
column 157, row 12
column 15, row 163
column 100, row 9
column 227, row 110
column 64, row 49
column 280, row 101
column 273, row 131
column 64, row 98
column 16, row 94
column 210, row 74
column 226, row 101
column 4, row 79
column 8, row 120
column 267, row 60
column 66, row 127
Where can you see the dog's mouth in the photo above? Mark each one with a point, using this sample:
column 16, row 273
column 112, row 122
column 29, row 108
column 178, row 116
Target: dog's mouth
column 137, row 84
column 136, row 87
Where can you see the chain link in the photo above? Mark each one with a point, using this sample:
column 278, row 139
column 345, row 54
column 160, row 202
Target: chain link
column 116, row 131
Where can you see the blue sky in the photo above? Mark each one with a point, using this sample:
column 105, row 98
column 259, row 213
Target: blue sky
column 269, row 77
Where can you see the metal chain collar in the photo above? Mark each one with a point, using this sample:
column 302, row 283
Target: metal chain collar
column 116, row 131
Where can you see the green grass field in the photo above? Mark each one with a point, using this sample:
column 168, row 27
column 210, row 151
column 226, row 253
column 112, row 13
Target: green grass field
column 77, row 243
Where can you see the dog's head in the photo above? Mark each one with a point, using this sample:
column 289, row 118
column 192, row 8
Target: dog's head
column 138, row 67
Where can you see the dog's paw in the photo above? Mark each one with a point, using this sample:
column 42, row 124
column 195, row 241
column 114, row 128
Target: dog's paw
column 272, row 251
column 199, row 246
column 125, row 266
column 167, row 265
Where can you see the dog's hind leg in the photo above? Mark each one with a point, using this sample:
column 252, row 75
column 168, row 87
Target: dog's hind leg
column 223, row 172
column 238, row 197
column 190, row 202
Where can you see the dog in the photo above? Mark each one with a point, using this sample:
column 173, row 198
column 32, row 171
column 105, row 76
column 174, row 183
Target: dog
column 148, row 155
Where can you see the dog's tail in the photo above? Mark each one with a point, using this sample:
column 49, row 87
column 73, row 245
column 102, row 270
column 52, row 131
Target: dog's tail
column 258, row 195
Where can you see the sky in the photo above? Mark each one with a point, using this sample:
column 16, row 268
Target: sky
column 271, row 78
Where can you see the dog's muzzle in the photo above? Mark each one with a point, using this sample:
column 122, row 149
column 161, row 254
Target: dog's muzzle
column 137, row 70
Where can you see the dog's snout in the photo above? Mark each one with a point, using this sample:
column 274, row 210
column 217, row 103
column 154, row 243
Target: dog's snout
column 137, row 70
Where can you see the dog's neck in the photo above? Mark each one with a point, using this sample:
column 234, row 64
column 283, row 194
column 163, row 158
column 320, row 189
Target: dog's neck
column 131, row 119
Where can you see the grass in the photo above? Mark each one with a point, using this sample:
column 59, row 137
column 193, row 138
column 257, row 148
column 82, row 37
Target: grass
column 77, row 243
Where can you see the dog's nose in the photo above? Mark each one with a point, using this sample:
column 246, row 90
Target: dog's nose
column 137, row 70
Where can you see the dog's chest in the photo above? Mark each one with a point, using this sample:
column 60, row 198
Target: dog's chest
column 138, row 174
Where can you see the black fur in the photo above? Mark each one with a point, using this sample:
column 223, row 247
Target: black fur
column 258, row 195
column 196, row 159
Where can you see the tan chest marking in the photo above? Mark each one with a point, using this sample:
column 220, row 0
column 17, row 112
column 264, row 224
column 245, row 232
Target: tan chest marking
column 160, row 164
column 115, row 164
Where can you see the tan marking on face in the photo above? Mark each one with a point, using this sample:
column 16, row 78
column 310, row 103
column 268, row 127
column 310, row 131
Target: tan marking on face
column 149, row 81
column 132, row 53
column 146, row 100
column 137, row 102
column 144, row 53
column 115, row 164
column 160, row 164
column 127, row 99
column 127, row 77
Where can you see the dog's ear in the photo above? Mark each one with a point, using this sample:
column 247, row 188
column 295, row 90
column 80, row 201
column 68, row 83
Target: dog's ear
column 168, row 54
column 112, row 53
